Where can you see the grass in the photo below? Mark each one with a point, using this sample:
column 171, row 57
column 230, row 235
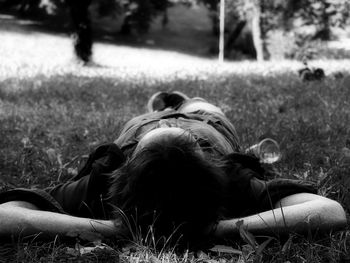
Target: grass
column 53, row 112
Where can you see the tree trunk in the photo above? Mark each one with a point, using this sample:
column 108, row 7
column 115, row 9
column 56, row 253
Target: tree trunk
column 222, row 31
column 79, row 11
column 325, row 32
column 256, row 30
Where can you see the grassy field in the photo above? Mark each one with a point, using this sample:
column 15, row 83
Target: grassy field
column 53, row 112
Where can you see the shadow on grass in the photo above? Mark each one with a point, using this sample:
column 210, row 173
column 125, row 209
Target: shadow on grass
column 192, row 42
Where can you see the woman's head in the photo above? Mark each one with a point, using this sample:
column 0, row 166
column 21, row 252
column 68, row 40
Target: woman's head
column 169, row 177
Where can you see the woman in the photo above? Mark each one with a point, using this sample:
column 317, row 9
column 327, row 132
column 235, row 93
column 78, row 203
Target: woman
column 178, row 168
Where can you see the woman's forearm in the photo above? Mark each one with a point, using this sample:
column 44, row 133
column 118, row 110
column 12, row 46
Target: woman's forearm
column 19, row 220
column 316, row 214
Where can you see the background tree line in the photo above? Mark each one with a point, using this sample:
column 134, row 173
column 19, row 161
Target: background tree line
column 258, row 17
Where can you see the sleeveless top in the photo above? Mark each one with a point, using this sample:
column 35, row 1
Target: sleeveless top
column 212, row 130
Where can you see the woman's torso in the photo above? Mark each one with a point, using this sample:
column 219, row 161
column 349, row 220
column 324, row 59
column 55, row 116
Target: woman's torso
column 212, row 131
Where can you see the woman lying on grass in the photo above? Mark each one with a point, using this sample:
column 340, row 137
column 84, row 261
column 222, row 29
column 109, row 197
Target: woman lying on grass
column 178, row 168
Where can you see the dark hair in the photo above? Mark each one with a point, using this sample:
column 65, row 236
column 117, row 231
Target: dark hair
column 174, row 182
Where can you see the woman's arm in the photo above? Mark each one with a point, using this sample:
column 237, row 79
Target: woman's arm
column 23, row 219
column 296, row 213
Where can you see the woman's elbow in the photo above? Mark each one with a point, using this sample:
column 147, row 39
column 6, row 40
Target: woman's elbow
column 333, row 215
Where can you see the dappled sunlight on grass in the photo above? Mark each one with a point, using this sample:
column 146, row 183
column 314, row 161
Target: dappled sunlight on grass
column 344, row 44
column 31, row 54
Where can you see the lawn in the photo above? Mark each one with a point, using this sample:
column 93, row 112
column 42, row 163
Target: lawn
column 54, row 111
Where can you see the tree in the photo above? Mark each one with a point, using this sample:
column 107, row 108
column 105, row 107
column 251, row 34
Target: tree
column 79, row 10
column 254, row 10
column 323, row 14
